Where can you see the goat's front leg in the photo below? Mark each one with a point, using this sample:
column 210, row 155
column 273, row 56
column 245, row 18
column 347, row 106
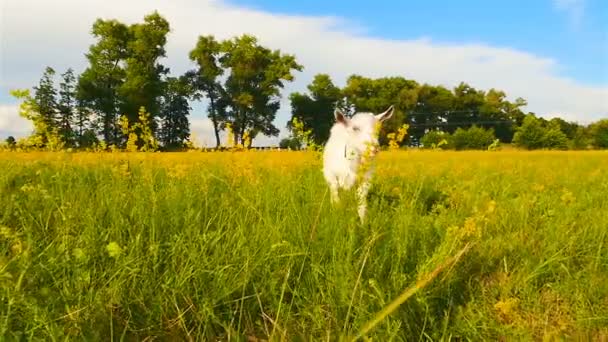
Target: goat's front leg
column 362, row 191
column 333, row 191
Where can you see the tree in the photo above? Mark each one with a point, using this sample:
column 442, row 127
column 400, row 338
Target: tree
column 568, row 128
column 124, row 73
column 531, row 134
column 497, row 113
column 292, row 143
column 432, row 107
column 45, row 98
column 376, row 95
column 45, row 134
column 581, row 139
column 252, row 88
column 206, row 55
column 436, row 139
column 175, row 108
column 554, row 138
column 99, row 84
column 11, row 142
column 473, row 138
column 81, row 125
column 316, row 110
column 143, row 74
column 599, row 133
column 466, row 110
column 66, row 107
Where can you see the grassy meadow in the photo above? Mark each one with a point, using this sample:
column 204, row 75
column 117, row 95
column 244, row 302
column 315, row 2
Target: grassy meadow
column 245, row 246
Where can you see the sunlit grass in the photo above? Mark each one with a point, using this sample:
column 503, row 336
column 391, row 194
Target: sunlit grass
column 245, row 244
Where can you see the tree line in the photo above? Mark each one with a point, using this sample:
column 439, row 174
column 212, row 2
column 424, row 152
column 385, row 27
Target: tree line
column 126, row 98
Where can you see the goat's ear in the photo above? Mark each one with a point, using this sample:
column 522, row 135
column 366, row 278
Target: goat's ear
column 386, row 115
column 340, row 117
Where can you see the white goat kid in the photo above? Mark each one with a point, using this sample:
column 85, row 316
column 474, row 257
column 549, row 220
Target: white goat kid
column 352, row 143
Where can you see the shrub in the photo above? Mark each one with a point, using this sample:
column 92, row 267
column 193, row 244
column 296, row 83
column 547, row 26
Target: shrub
column 474, row 138
column 435, row 139
column 599, row 134
column 291, row 143
column 554, row 138
column 580, row 140
column 531, row 134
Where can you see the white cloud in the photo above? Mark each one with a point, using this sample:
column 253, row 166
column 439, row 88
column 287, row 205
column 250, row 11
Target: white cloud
column 13, row 124
column 60, row 37
column 575, row 9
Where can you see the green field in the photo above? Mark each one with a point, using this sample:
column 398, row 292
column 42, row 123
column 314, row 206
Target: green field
column 244, row 245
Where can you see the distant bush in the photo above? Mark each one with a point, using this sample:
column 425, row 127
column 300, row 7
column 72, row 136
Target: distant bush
column 435, row 139
column 530, row 135
column 10, row 142
column 290, row 142
column 474, row 138
column 599, row 134
column 580, row 140
column 554, row 138
column 533, row 135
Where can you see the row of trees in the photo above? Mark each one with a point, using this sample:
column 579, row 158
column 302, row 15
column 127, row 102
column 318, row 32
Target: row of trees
column 126, row 92
column 459, row 118
column 240, row 79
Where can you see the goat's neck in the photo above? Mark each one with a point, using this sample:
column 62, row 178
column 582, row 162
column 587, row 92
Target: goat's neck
column 351, row 153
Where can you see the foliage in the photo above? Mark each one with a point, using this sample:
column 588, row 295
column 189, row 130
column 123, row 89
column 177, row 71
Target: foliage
column 139, row 134
column 290, row 143
column 376, row 95
column 249, row 96
column 240, row 82
column 599, row 133
column 10, row 142
column 436, row 139
column 66, row 108
column 174, row 128
column 316, row 109
column 531, row 134
column 206, row 55
column 396, row 138
column 554, row 138
column 45, row 134
column 303, row 136
column 237, row 246
column 536, row 133
column 473, row 138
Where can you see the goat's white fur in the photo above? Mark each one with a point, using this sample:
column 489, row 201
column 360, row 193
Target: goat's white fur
column 342, row 156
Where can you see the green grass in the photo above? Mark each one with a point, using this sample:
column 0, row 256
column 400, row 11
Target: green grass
column 216, row 247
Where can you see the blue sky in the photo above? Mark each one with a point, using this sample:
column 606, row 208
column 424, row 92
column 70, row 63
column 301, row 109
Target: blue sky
column 574, row 33
column 553, row 53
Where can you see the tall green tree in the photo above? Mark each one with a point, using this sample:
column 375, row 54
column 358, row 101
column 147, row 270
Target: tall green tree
column 99, row 84
column 568, row 128
column 205, row 80
column 45, row 97
column 430, row 112
column 175, row 108
column 255, row 77
column 554, row 138
column 376, row 95
column 143, row 73
column 466, row 110
column 67, row 107
column 531, row 134
column 599, row 133
column 315, row 110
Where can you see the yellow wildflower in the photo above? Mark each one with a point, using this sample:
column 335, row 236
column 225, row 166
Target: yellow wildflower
column 114, row 250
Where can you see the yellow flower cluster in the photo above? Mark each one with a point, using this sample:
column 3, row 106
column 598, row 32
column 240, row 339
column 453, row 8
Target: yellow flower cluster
column 395, row 139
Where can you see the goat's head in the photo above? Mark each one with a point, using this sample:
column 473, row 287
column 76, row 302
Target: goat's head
column 361, row 131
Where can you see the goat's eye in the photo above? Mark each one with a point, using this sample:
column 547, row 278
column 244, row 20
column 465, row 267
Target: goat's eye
column 356, row 129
